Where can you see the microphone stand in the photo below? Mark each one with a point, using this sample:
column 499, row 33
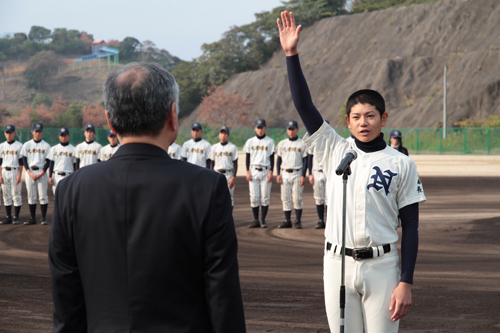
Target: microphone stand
column 345, row 175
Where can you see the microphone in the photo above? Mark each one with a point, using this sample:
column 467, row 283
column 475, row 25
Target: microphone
column 350, row 156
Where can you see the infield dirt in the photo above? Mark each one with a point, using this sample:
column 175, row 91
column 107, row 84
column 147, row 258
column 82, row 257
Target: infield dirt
column 457, row 277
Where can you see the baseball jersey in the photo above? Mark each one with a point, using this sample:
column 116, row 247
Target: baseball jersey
column 108, row 151
column 196, row 152
column 292, row 153
column 36, row 153
column 63, row 157
column 174, row 151
column 224, row 156
column 10, row 154
column 260, row 150
column 381, row 183
column 88, row 153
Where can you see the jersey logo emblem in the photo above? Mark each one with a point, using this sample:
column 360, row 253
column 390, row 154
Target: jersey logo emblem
column 419, row 189
column 381, row 181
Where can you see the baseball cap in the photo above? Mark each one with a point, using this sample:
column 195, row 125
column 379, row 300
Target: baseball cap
column 396, row 134
column 90, row 127
column 10, row 128
column 37, row 127
column 196, row 126
column 63, row 131
column 110, row 133
column 260, row 123
column 292, row 124
column 224, row 128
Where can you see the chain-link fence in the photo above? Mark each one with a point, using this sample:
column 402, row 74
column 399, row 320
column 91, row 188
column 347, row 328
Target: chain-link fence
column 459, row 141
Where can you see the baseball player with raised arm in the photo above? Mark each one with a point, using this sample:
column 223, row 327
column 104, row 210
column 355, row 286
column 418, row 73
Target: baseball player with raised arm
column 224, row 159
column 88, row 151
column 196, row 150
column 259, row 151
column 108, row 150
column 10, row 176
column 291, row 169
column 174, row 151
column 62, row 159
column 383, row 186
column 35, row 160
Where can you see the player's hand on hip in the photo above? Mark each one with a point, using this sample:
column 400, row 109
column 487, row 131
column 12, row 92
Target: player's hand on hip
column 231, row 181
column 311, row 179
column 400, row 301
column 270, row 177
column 278, row 179
column 302, row 180
column 289, row 33
column 51, row 181
column 249, row 176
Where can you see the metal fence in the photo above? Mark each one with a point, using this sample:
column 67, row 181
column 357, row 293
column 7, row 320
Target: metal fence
column 459, row 141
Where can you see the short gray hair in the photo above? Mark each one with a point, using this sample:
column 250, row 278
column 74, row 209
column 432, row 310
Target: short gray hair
column 138, row 98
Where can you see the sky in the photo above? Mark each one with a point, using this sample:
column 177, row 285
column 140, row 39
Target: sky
column 178, row 26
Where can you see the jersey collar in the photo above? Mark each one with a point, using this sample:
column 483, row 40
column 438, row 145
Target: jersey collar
column 375, row 145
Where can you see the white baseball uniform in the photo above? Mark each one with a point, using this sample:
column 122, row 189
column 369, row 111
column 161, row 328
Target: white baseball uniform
column 64, row 159
column 108, row 151
column 224, row 157
column 196, row 152
column 10, row 154
column 381, row 183
column 260, row 151
column 319, row 187
column 292, row 153
column 88, row 153
column 174, row 151
column 36, row 153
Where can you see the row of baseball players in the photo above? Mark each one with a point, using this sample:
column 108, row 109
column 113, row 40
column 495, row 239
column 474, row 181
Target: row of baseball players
column 292, row 163
column 37, row 157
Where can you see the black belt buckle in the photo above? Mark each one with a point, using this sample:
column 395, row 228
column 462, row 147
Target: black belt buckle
column 221, row 171
column 34, row 168
column 362, row 253
column 61, row 173
column 7, row 168
column 259, row 169
column 320, row 170
column 289, row 170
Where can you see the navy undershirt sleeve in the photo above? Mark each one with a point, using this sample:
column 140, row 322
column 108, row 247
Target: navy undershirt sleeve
column 77, row 164
column 310, row 163
column 46, row 165
column 74, row 167
column 272, row 161
column 301, row 96
column 278, row 165
column 409, row 241
column 25, row 163
column 247, row 162
column 1, row 161
column 21, row 163
column 208, row 164
column 235, row 167
column 51, row 168
column 304, row 168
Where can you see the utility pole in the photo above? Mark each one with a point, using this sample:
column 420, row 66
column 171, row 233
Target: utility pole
column 444, row 102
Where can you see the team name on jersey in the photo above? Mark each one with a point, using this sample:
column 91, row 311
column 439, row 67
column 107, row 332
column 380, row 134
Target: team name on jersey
column 88, row 152
column 223, row 153
column 169, row 154
column 107, row 156
column 36, row 151
column 195, row 150
column 260, row 147
column 63, row 153
column 381, row 180
column 10, row 152
column 297, row 149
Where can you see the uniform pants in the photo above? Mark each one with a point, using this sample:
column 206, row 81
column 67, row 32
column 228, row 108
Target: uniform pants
column 37, row 190
column 260, row 189
column 229, row 175
column 319, row 187
column 57, row 178
column 369, row 284
column 291, row 191
column 11, row 191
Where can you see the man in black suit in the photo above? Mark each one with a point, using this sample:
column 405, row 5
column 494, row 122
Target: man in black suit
column 144, row 243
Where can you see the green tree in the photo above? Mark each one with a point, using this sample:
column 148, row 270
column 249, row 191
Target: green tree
column 360, row 6
column 191, row 88
column 130, row 49
column 39, row 34
column 38, row 68
column 73, row 117
column 41, row 99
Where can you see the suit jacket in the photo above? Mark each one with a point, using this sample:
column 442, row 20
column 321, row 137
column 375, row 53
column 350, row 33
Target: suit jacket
column 144, row 243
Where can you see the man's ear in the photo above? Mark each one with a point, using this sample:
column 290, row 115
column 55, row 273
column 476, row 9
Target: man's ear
column 173, row 120
column 109, row 123
column 384, row 118
column 347, row 121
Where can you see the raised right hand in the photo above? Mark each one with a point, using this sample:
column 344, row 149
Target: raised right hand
column 289, row 33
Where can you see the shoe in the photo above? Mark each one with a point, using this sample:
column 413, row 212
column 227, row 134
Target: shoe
column 15, row 220
column 286, row 224
column 255, row 224
column 44, row 221
column 8, row 220
column 263, row 224
column 320, row 225
column 297, row 225
column 30, row 221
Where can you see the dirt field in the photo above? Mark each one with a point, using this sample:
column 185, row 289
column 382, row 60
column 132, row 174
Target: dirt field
column 457, row 279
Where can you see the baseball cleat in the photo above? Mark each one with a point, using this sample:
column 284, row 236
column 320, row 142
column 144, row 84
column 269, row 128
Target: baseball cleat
column 15, row 220
column 255, row 224
column 320, row 225
column 263, row 224
column 286, row 224
column 44, row 221
column 298, row 225
column 30, row 221
column 7, row 220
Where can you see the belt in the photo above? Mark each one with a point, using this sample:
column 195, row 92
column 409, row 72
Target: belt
column 224, row 171
column 9, row 168
column 63, row 173
column 260, row 169
column 34, row 168
column 362, row 253
column 291, row 170
column 319, row 170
